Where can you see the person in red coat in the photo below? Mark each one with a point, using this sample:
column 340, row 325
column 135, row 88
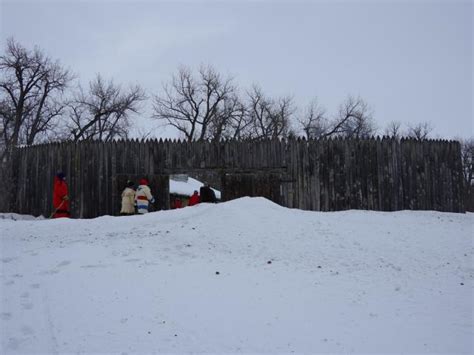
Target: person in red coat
column 194, row 199
column 60, row 196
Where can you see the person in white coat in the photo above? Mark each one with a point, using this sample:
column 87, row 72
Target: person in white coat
column 128, row 200
column 143, row 196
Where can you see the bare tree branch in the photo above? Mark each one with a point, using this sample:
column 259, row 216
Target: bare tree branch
column 199, row 108
column 354, row 120
column 420, row 130
column 31, row 88
column 393, row 129
column 313, row 120
column 269, row 118
column 103, row 112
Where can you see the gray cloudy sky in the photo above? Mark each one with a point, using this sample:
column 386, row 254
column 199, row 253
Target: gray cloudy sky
column 410, row 60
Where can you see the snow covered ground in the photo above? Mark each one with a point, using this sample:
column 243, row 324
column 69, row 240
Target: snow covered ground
column 241, row 276
column 18, row 217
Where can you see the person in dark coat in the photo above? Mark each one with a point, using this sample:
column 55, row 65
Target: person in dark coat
column 60, row 197
column 194, row 199
column 207, row 194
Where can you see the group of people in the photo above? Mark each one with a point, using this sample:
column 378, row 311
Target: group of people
column 133, row 201
column 205, row 194
column 140, row 198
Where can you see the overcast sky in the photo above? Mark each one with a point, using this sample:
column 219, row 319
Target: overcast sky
column 410, row 60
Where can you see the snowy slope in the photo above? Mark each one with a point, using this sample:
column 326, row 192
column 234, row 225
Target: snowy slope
column 241, row 276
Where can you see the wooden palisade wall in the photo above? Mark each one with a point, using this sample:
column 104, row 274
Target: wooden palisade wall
column 321, row 175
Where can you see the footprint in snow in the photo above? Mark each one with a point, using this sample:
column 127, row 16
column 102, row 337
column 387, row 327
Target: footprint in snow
column 93, row 266
column 27, row 330
column 27, row 305
column 63, row 263
column 5, row 316
column 13, row 344
column 35, row 285
column 7, row 260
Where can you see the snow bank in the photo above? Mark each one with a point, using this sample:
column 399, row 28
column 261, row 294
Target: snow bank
column 242, row 276
column 19, row 217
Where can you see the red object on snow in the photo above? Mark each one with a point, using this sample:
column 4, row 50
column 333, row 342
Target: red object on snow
column 60, row 193
column 194, row 199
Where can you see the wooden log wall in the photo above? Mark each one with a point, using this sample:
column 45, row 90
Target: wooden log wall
column 321, row 175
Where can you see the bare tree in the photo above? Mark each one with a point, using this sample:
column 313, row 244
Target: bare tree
column 31, row 88
column 198, row 108
column 142, row 133
column 313, row 121
column 49, row 104
column 420, row 130
column 230, row 121
column 354, row 120
column 7, row 117
column 103, row 112
column 269, row 118
column 393, row 129
column 240, row 123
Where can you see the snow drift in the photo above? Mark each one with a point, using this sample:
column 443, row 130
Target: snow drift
column 242, row 276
